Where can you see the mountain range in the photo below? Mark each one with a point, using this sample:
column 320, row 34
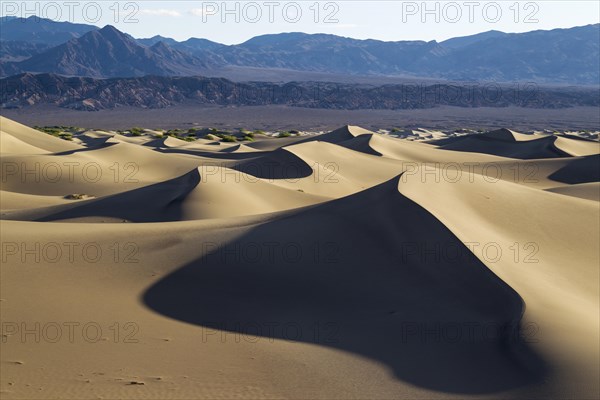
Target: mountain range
column 110, row 53
column 559, row 56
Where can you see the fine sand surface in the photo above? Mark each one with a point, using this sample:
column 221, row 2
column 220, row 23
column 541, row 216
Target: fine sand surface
column 347, row 265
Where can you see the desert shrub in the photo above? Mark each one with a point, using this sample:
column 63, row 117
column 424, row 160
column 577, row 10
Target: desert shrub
column 228, row 138
column 77, row 196
column 49, row 130
column 210, row 136
column 136, row 131
column 248, row 138
column 284, row 134
column 56, row 131
column 259, row 132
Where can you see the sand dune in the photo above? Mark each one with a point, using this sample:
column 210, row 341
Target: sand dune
column 345, row 265
column 107, row 170
column 195, row 195
column 590, row 191
column 545, row 234
column 420, row 152
column 117, row 138
column 577, row 147
column 33, row 137
column 510, row 136
column 14, row 201
column 507, row 143
column 340, row 135
column 539, row 148
column 9, row 144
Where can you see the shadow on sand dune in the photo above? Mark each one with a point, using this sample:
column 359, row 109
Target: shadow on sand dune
column 276, row 164
column 373, row 274
column 544, row 147
column 582, row 170
column 160, row 202
column 102, row 145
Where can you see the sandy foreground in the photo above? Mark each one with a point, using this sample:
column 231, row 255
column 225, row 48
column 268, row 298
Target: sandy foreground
column 348, row 265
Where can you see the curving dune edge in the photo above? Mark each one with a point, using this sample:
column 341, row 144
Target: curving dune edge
column 458, row 267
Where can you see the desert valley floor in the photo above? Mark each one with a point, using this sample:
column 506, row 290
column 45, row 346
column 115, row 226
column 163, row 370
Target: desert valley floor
column 347, row 265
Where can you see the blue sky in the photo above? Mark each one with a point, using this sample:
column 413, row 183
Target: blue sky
column 236, row 21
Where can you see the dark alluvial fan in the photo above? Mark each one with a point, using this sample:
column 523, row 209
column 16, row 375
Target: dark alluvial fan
column 92, row 94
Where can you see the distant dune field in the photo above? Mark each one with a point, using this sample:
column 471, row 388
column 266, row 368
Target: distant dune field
column 342, row 265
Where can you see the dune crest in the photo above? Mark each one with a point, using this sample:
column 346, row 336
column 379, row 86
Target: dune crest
column 465, row 266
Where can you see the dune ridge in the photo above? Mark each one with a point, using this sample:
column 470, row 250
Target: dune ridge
column 350, row 264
